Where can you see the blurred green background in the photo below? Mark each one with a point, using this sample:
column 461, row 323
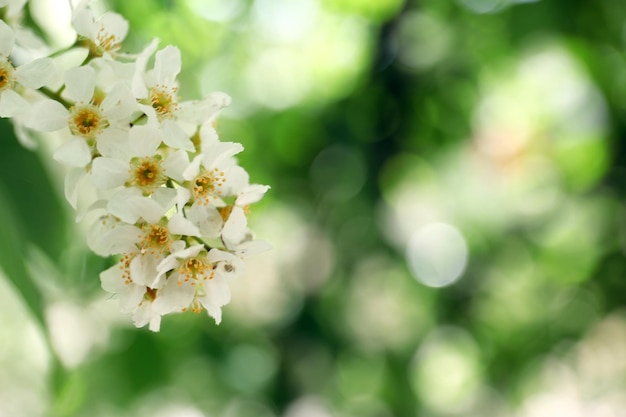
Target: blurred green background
column 446, row 214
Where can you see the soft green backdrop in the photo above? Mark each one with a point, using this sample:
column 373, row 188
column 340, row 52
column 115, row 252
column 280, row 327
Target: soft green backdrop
column 446, row 213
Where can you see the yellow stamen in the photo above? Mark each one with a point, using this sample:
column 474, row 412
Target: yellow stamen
column 195, row 269
column 209, row 186
column 156, row 239
column 164, row 100
column 107, row 42
column 86, row 120
column 6, row 75
column 147, row 174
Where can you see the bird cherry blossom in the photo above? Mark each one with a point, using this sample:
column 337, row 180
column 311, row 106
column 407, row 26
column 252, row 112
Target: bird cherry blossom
column 32, row 75
column 102, row 36
column 165, row 195
column 88, row 113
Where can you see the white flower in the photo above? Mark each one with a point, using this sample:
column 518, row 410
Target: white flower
column 157, row 90
column 135, row 279
column 211, row 177
column 104, row 35
column 199, row 112
column 133, row 297
column 235, row 231
column 208, row 219
column 34, row 75
column 109, row 235
column 146, row 314
column 171, row 196
column 199, row 279
column 136, row 161
column 89, row 119
column 117, row 281
column 143, row 247
column 214, row 174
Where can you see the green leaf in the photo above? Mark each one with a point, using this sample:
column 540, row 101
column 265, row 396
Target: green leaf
column 12, row 256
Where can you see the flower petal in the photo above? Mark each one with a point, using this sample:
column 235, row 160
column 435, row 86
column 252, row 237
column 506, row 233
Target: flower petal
column 112, row 280
column 12, row 104
column 202, row 111
column 251, row 194
column 167, row 65
column 231, row 268
column 74, row 153
column 170, row 262
column 220, row 151
column 175, row 164
column 7, row 39
column 144, row 140
column 130, row 206
column 114, row 24
column 122, row 238
column 217, row 255
column 252, row 247
column 189, row 252
column 173, row 297
column 143, row 269
column 217, row 295
column 143, row 315
column 25, row 136
column 80, row 83
column 109, row 173
column 208, row 137
column 166, row 197
column 37, row 73
column 182, row 197
column 207, row 219
column 138, row 84
column 155, row 322
column 47, row 116
column 193, row 169
column 178, row 225
column 235, row 228
column 176, row 137
column 237, row 180
column 82, row 20
column 72, row 181
column 113, row 143
column 119, row 103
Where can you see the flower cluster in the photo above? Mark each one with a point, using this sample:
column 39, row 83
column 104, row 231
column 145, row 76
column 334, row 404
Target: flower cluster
column 170, row 199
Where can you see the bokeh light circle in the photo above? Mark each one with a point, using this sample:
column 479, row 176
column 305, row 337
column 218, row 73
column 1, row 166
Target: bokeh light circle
column 437, row 254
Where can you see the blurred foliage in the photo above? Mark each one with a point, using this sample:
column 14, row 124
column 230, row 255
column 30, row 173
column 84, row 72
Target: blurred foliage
column 371, row 120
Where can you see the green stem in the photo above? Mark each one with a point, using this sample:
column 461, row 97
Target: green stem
column 191, row 241
column 138, row 119
column 55, row 96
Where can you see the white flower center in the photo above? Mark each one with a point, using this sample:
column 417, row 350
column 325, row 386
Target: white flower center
column 146, row 174
column 195, row 270
column 6, row 75
column 164, row 100
column 196, row 306
column 87, row 120
column 107, row 42
column 156, row 239
column 209, row 186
